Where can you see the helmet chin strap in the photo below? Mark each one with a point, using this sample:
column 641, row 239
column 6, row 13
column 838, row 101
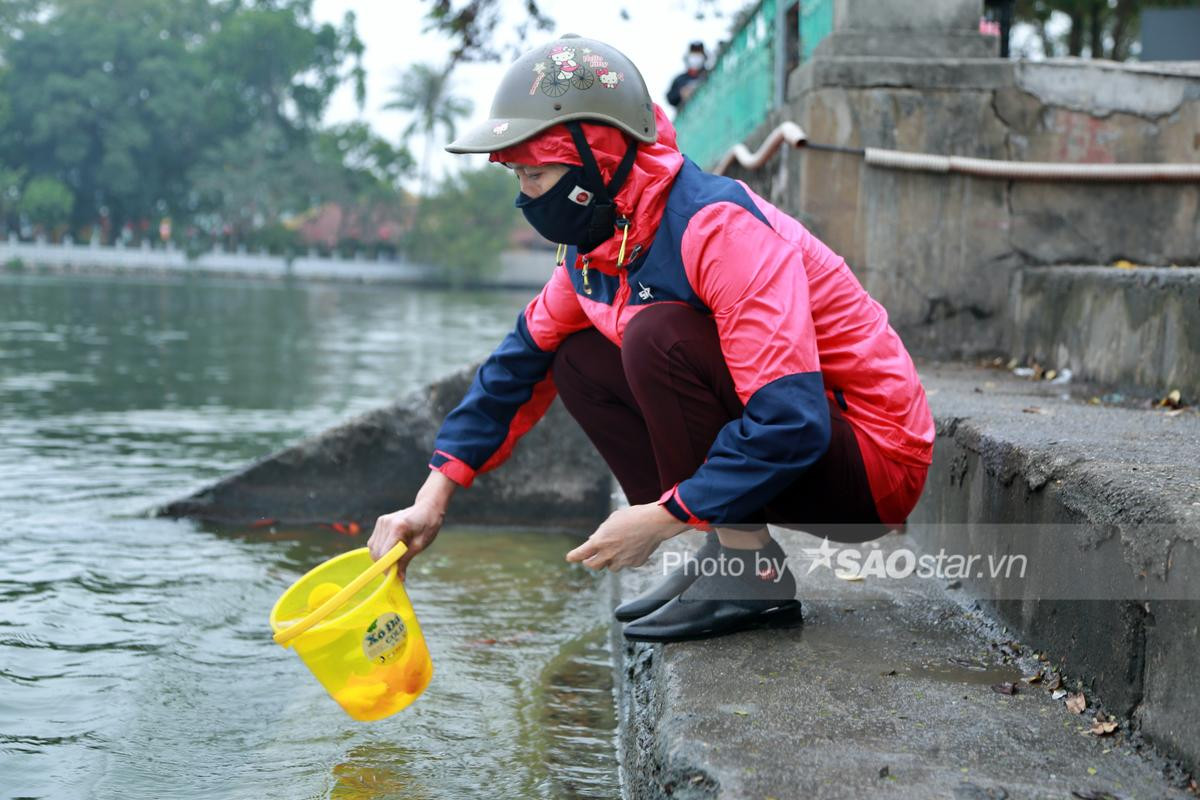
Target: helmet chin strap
column 604, row 215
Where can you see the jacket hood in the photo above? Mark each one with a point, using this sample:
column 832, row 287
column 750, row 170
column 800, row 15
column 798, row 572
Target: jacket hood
column 642, row 198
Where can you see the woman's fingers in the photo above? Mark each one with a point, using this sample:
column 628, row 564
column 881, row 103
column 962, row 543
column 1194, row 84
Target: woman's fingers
column 585, row 550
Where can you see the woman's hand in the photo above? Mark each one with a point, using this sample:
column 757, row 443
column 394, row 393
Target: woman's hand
column 627, row 538
column 417, row 526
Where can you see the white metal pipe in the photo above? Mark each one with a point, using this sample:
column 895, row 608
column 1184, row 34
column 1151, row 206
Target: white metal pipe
column 788, row 132
column 1031, row 170
column 794, row 135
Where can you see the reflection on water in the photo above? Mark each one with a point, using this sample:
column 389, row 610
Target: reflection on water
column 135, row 656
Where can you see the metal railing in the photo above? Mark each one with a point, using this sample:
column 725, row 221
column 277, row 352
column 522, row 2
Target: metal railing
column 746, row 81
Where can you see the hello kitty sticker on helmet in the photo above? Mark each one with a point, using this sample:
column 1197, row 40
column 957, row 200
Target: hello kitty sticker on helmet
column 566, row 67
column 608, row 80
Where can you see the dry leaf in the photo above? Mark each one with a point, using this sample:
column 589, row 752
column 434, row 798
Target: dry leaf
column 1102, row 728
column 1076, row 703
column 1125, row 264
column 1054, row 682
column 1034, row 678
column 1173, row 399
column 1059, row 694
column 1004, row 688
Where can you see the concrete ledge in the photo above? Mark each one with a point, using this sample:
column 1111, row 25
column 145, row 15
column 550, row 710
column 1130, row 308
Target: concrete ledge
column 1099, row 497
column 1127, row 328
column 885, row 692
column 374, row 464
column 907, row 44
column 856, row 72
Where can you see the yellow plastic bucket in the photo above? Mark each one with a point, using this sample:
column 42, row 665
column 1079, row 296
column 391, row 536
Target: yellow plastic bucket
column 352, row 624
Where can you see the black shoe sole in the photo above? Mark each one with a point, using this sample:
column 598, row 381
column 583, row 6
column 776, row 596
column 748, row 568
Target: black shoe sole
column 785, row 615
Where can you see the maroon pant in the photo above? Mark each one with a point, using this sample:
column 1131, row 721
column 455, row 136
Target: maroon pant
column 654, row 406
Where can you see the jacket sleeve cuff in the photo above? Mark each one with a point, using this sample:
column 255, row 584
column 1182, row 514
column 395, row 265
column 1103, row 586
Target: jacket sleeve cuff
column 674, row 504
column 454, row 469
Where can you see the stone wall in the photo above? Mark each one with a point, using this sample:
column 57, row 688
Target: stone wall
column 941, row 251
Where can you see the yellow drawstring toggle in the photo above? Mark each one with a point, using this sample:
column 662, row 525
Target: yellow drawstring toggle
column 587, row 289
column 623, row 224
column 560, row 255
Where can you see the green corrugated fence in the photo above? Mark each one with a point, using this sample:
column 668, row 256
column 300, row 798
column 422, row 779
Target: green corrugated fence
column 739, row 92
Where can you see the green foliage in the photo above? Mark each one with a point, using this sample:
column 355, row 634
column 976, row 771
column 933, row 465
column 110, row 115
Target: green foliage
column 135, row 106
column 1098, row 28
column 465, row 226
column 47, row 199
column 424, row 92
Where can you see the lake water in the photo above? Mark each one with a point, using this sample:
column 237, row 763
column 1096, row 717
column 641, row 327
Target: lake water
column 135, row 656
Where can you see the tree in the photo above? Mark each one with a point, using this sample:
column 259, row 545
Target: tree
column 118, row 100
column 424, row 92
column 1098, row 28
column 466, row 223
column 46, row 200
column 473, row 24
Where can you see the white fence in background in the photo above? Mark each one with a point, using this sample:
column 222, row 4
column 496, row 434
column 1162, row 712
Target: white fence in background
column 517, row 268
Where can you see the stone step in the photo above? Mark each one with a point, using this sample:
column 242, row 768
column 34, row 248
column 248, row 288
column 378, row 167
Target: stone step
column 1128, row 328
column 887, row 689
column 1105, row 503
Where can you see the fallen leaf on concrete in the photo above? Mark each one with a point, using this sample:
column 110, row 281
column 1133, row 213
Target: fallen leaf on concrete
column 1076, row 703
column 1102, row 727
column 1023, row 372
column 1054, row 682
column 849, row 576
column 1173, row 399
column 1093, row 794
column 1049, row 375
column 1034, row 678
column 1091, row 770
column 888, row 673
column 883, row 771
column 1124, row 264
column 741, row 713
column 1008, row 687
column 1059, row 694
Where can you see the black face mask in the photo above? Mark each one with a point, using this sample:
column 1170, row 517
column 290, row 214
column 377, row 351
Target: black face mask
column 564, row 215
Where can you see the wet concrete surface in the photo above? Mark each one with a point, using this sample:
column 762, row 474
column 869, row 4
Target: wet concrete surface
column 1104, row 500
column 885, row 691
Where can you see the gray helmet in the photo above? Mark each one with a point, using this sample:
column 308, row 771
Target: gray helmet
column 571, row 78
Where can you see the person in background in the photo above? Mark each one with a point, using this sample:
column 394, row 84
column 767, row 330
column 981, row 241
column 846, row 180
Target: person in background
column 686, row 82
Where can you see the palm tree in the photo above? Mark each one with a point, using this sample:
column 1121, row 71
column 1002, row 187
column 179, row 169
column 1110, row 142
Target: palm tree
column 424, row 92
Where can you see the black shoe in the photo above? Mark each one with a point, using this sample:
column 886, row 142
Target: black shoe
column 720, row 604
column 670, row 586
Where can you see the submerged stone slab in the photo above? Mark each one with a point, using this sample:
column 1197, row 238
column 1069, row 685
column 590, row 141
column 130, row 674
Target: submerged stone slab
column 374, row 464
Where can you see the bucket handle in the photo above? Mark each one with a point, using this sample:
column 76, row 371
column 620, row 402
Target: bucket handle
column 284, row 636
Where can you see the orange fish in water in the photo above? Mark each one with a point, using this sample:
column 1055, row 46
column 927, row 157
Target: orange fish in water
column 345, row 528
